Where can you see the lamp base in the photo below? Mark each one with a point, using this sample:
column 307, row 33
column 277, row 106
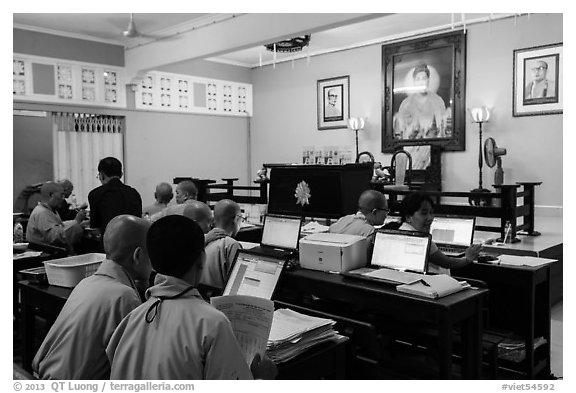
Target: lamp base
column 480, row 200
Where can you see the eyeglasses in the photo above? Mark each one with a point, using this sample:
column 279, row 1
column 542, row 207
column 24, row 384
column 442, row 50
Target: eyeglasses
column 381, row 209
column 241, row 217
column 541, row 68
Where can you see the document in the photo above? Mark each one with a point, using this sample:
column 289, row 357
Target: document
column 434, row 287
column 294, row 333
column 27, row 254
column 251, row 319
column 516, row 260
column 289, row 325
column 314, row 227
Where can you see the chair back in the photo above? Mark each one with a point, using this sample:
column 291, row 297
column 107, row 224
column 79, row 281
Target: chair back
column 401, row 163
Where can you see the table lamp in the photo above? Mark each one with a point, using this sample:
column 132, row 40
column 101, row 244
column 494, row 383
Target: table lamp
column 356, row 124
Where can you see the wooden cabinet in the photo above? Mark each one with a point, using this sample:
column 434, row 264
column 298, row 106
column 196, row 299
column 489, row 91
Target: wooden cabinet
column 324, row 191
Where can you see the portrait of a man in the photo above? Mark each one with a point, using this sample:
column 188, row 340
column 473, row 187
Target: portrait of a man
column 333, row 103
column 538, row 80
column 422, row 97
column 422, row 114
column 540, row 84
column 424, row 92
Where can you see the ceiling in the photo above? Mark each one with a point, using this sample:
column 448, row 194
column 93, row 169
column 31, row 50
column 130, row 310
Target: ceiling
column 109, row 27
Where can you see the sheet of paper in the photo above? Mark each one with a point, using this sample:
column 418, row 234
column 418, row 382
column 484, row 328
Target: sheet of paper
column 251, row 319
column 314, row 227
column 288, row 324
column 248, row 245
column 27, row 254
column 516, row 260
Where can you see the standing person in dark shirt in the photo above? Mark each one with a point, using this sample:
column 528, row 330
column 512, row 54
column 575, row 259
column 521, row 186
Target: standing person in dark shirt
column 113, row 197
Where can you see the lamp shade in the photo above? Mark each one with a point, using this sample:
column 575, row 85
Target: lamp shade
column 356, row 123
column 480, row 114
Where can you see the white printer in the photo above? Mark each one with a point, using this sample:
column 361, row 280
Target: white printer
column 333, row 252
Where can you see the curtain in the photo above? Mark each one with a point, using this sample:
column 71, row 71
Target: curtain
column 81, row 140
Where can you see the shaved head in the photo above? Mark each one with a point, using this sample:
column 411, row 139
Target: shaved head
column 163, row 193
column 225, row 212
column 371, row 199
column 49, row 188
column 52, row 194
column 186, row 190
column 123, row 235
column 374, row 206
column 67, row 186
column 200, row 213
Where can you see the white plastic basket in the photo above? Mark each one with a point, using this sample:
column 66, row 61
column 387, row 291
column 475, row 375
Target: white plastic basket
column 68, row 272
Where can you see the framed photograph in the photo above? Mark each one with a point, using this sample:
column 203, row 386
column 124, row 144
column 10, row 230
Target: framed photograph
column 333, row 101
column 538, row 77
column 423, row 97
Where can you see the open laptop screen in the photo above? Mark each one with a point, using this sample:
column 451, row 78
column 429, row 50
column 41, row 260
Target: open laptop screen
column 453, row 230
column 254, row 275
column 401, row 250
column 281, row 231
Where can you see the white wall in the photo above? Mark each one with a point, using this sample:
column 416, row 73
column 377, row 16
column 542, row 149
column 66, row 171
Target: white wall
column 285, row 108
column 159, row 147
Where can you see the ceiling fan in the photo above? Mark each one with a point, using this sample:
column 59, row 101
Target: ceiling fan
column 131, row 31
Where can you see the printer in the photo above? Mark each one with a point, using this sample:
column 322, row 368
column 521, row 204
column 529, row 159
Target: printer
column 333, row 252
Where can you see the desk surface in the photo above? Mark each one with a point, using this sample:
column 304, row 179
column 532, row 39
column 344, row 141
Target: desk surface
column 551, row 236
column 349, row 287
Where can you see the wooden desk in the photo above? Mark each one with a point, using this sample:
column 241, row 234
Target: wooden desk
column 462, row 308
column 520, row 302
column 549, row 244
column 329, row 359
column 38, row 299
column 22, row 264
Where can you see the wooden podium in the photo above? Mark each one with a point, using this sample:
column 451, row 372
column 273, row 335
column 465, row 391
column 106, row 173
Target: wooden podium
column 333, row 189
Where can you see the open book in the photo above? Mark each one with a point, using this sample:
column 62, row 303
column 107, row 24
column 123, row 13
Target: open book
column 434, row 287
column 251, row 319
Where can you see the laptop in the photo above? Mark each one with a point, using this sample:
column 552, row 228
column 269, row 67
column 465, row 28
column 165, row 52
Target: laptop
column 254, row 275
column 399, row 257
column 280, row 236
column 453, row 234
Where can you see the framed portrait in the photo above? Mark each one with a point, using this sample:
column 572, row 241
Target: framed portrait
column 538, row 80
column 423, row 93
column 333, row 101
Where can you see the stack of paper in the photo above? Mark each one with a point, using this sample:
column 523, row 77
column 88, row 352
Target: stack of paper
column 293, row 333
column 515, row 260
column 434, row 287
column 314, row 227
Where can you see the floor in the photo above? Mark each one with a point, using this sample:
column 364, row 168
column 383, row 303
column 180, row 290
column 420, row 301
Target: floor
column 556, row 347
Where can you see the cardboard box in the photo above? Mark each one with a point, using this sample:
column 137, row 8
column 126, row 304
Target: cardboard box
column 333, row 252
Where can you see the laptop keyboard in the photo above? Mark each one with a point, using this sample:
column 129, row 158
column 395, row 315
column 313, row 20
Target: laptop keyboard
column 396, row 276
